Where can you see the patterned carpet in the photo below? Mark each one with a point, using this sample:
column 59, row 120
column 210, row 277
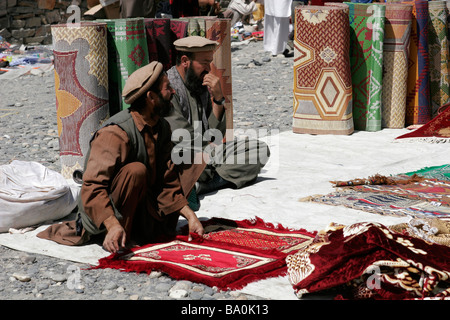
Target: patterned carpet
column 229, row 256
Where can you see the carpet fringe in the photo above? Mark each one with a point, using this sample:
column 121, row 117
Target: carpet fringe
column 426, row 140
column 379, row 180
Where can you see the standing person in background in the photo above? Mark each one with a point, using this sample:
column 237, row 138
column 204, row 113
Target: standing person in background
column 138, row 8
column 277, row 15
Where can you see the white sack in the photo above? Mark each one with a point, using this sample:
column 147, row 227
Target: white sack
column 31, row 194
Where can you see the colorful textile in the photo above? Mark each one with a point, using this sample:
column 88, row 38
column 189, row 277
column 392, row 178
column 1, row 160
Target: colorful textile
column 430, row 190
column 265, row 236
column 159, row 41
column 322, row 80
column 128, row 52
column 383, row 204
column 81, row 87
column 395, row 64
column 434, row 172
column 436, row 130
column 431, row 230
column 418, row 108
column 366, row 61
column 196, row 26
column 370, row 261
column 219, row 30
column 447, row 3
column 438, row 46
column 179, row 30
column 161, row 33
column 232, row 255
column 399, row 195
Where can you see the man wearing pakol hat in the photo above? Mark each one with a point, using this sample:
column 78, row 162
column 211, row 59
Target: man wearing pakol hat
column 131, row 189
column 198, row 114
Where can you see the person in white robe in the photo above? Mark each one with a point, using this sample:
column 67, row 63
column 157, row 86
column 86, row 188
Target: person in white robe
column 277, row 14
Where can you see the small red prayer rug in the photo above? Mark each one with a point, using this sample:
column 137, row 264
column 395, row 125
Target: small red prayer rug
column 436, row 130
column 229, row 256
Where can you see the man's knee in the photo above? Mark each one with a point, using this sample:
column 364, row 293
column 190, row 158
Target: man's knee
column 134, row 173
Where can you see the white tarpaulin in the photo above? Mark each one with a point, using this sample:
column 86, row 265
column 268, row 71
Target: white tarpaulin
column 300, row 165
column 31, row 194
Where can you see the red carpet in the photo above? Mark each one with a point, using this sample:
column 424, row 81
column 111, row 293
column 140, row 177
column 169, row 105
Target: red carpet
column 438, row 128
column 231, row 254
column 369, row 261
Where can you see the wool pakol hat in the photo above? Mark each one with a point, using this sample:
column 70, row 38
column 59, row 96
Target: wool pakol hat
column 195, row 44
column 140, row 81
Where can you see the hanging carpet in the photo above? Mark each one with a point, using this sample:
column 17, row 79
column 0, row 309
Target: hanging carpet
column 161, row 33
column 219, row 30
column 395, row 64
column 229, row 256
column 322, row 79
column 81, row 88
column 366, row 60
column 438, row 55
column 128, row 51
column 418, row 106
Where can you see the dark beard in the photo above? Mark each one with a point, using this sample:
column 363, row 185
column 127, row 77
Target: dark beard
column 163, row 108
column 194, row 83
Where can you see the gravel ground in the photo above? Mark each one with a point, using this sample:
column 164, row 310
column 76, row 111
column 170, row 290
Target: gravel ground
column 262, row 99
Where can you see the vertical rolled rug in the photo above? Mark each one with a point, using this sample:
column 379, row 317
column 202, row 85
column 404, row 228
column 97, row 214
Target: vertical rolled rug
column 152, row 46
column 219, row 30
column 418, row 108
column 196, row 26
column 447, row 4
column 322, row 79
column 129, row 52
column 438, row 47
column 159, row 41
column 395, row 60
column 161, row 33
column 366, row 60
column 179, row 29
column 81, row 88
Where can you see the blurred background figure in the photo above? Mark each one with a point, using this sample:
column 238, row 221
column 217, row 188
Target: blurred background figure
column 138, row 8
column 238, row 9
column 193, row 8
column 277, row 16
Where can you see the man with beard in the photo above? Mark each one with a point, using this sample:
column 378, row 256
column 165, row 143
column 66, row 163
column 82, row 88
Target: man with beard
column 198, row 114
column 131, row 189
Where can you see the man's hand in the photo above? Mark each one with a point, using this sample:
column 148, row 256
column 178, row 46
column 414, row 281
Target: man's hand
column 195, row 225
column 115, row 237
column 213, row 84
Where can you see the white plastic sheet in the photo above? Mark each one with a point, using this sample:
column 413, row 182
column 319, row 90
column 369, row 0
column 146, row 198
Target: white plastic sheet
column 31, row 194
